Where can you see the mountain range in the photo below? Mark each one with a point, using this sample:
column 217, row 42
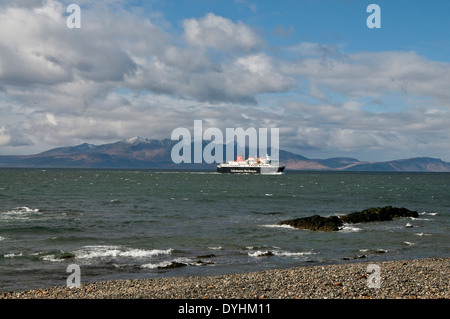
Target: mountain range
column 138, row 152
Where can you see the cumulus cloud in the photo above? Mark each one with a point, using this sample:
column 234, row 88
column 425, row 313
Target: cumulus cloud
column 122, row 74
column 37, row 48
column 11, row 136
column 5, row 138
column 220, row 33
column 369, row 74
column 193, row 72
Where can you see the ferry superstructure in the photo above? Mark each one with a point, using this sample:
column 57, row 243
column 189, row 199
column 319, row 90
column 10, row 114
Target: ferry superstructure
column 252, row 165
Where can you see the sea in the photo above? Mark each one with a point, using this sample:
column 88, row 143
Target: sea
column 129, row 224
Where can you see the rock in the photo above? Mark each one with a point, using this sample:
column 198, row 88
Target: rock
column 66, row 256
column 334, row 223
column 266, row 254
column 316, row 222
column 201, row 262
column 173, row 264
column 378, row 214
column 356, row 257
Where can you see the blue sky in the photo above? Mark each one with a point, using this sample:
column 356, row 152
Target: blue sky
column 416, row 25
column 313, row 68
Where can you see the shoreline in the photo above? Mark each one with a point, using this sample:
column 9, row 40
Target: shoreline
column 400, row 279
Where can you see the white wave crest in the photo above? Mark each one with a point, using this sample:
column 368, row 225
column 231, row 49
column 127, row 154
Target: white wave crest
column 52, row 258
column 23, row 210
column 161, row 264
column 12, row 255
column 102, row 251
column 259, row 253
column 278, row 226
column 349, row 229
column 293, row 254
column 17, row 213
column 428, row 213
column 215, row 247
column 422, row 234
column 427, row 219
column 282, row 253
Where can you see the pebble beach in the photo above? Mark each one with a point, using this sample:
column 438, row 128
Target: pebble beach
column 405, row 279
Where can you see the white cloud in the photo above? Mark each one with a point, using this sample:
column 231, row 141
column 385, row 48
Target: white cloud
column 13, row 137
column 37, row 48
column 220, row 33
column 4, row 136
column 123, row 75
column 374, row 74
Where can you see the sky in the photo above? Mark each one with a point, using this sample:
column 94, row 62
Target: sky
column 312, row 68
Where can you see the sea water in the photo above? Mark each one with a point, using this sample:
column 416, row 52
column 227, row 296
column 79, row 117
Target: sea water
column 125, row 224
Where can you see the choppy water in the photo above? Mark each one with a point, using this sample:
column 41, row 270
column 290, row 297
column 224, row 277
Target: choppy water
column 127, row 223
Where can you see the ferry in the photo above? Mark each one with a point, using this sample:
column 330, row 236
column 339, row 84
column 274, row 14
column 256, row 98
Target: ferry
column 252, row 165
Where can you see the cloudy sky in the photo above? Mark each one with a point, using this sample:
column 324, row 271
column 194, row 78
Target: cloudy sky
column 312, row 68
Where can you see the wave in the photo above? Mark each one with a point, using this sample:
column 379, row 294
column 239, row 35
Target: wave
column 22, row 212
column 419, row 218
column 53, row 255
column 428, row 213
column 52, row 258
column 280, row 253
column 101, row 252
column 215, row 247
column 12, row 255
column 278, row 226
column 371, row 251
column 162, row 264
column 105, row 251
column 409, row 243
column 349, row 229
column 175, row 263
column 344, row 229
column 25, row 209
column 422, row 234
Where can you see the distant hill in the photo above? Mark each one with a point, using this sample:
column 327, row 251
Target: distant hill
column 138, row 152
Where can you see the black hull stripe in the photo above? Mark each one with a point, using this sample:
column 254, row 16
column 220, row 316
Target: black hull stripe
column 244, row 170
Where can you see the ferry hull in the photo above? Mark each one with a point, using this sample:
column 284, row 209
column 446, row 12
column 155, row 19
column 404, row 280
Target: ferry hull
column 251, row 169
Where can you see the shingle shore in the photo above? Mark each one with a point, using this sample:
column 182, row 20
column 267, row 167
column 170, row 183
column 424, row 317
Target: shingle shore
column 420, row 278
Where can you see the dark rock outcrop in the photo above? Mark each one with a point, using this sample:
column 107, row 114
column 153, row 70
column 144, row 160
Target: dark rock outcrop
column 334, row 223
column 378, row 214
column 173, row 264
column 315, row 222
